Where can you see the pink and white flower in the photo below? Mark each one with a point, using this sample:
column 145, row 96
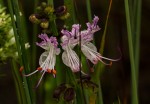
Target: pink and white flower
column 69, row 41
column 88, row 48
column 48, row 58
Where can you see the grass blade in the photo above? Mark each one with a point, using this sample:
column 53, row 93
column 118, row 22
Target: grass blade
column 131, row 52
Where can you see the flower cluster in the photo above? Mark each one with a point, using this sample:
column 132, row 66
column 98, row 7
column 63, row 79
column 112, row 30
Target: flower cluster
column 81, row 38
column 69, row 40
column 46, row 14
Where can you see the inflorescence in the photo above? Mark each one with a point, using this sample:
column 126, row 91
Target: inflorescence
column 69, row 40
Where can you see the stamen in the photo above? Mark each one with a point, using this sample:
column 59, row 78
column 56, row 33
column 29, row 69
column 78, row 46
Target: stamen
column 49, row 70
column 21, row 69
column 110, row 63
column 94, row 53
column 39, row 68
column 106, row 63
column 110, row 58
column 31, row 73
column 40, row 79
column 54, row 71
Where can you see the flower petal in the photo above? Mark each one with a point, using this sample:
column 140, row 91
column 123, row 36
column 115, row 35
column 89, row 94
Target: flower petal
column 65, row 59
column 86, row 49
column 43, row 57
column 71, row 59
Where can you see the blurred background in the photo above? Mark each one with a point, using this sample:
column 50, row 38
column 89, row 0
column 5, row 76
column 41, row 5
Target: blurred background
column 115, row 81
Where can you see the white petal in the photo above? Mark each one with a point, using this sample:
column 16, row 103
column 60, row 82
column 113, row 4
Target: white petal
column 91, row 46
column 86, row 49
column 43, row 57
column 65, row 59
column 71, row 59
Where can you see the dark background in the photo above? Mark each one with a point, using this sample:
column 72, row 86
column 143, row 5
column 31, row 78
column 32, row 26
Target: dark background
column 115, row 80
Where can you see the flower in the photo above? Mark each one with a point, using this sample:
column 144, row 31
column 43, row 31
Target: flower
column 90, row 51
column 71, row 38
column 87, row 35
column 69, row 41
column 93, row 27
column 48, row 58
column 87, row 48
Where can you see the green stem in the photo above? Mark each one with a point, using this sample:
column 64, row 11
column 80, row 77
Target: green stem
column 100, row 96
column 100, row 66
column 19, row 41
column 105, row 29
column 133, row 67
column 88, row 5
column 50, row 2
column 79, row 92
column 71, row 10
column 18, row 83
column 137, row 31
column 34, row 47
column 53, row 26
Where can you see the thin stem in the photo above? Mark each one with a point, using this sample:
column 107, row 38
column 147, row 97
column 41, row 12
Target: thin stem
column 53, row 25
column 54, row 28
column 18, row 83
column 80, row 58
column 34, row 48
column 137, row 31
column 105, row 29
column 100, row 66
column 71, row 10
column 133, row 67
column 88, row 6
column 100, row 96
column 19, row 42
column 50, row 2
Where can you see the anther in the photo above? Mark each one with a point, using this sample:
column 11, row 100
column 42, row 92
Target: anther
column 54, row 72
column 49, row 70
column 21, row 69
column 110, row 63
column 39, row 68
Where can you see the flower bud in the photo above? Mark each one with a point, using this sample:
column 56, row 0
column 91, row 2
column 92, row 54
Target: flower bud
column 33, row 18
column 39, row 8
column 65, row 16
column 61, row 10
column 58, row 91
column 69, row 94
column 44, row 24
column 49, row 10
column 43, row 4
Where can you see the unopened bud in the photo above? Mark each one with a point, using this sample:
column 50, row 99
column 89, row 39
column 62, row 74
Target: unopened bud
column 39, row 8
column 43, row 4
column 69, row 94
column 61, row 10
column 49, row 10
column 65, row 16
column 44, row 24
column 34, row 19
column 59, row 90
